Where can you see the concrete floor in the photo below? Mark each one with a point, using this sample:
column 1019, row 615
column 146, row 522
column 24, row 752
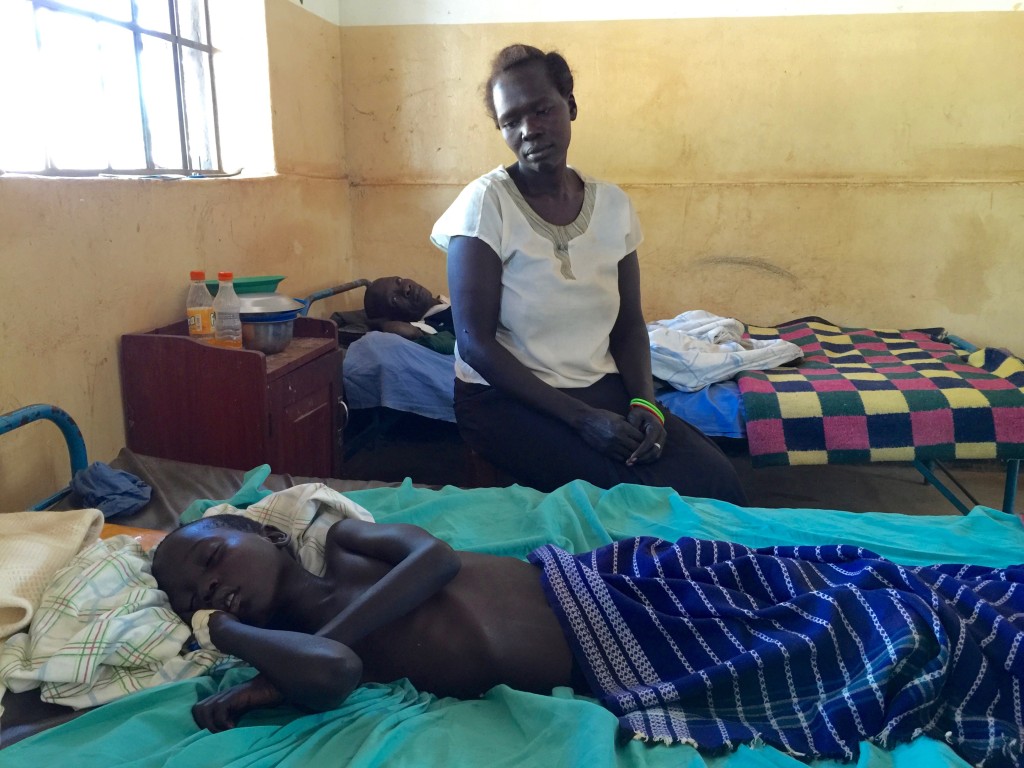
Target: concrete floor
column 871, row 487
column 431, row 452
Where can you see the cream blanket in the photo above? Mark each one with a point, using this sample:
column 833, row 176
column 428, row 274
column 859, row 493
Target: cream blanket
column 33, row 547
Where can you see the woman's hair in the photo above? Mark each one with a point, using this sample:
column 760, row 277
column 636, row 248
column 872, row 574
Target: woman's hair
column 518, row 55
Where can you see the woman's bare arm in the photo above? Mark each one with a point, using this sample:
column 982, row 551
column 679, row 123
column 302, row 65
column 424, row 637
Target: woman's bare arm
column 474, row 280
column 630, row 346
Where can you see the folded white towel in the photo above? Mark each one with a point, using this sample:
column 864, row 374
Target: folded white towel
column 696, row 348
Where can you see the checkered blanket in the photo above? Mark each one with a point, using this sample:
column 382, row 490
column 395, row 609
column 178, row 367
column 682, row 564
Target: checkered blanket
column 862, row 395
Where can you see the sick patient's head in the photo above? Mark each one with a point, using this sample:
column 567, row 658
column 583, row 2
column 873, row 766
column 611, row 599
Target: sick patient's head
column 397, row 298
column 225, row 562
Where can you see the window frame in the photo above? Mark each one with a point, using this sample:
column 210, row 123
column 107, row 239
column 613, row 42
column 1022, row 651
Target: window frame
column 178, row 43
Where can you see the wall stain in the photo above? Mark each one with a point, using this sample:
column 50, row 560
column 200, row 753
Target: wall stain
column 749, row 262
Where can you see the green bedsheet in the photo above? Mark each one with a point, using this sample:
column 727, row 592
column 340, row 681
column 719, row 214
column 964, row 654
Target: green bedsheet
column 394, row 725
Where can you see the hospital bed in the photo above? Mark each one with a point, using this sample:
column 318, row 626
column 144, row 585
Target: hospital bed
column 858, row 396
column 396, row 725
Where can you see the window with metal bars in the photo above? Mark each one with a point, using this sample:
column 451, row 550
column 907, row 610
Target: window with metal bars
column 95, row 87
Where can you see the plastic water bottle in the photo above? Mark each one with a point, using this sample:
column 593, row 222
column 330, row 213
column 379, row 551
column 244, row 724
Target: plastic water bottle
column 227, row 317
column 199, row 307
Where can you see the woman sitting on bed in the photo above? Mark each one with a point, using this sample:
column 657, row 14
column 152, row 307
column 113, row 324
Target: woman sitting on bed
column 553, row 367
column 810, row 649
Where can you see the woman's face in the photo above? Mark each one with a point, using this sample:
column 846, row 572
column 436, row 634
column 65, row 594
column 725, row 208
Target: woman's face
column 534, row 117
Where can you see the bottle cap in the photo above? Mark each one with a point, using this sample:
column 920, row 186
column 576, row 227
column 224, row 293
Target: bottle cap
column 225, row 275
column 197, row 274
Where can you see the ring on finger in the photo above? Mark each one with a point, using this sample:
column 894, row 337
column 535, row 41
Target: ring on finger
column 658, row 446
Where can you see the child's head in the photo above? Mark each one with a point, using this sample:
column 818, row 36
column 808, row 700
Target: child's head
column 226, row 562
column 397, row 298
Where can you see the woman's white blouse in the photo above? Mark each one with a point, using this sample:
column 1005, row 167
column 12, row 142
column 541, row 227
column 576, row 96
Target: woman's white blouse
column 560, row 284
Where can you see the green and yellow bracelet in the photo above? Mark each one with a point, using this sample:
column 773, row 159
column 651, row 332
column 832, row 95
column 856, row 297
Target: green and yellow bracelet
column 639, row 402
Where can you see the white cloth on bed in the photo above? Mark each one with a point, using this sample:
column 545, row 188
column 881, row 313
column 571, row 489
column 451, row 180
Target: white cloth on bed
column 33, row 547
column 305, row 512
column 697, row 348
column 102, row 630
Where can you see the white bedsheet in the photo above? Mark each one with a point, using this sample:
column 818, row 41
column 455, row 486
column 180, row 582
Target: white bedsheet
column 697, row 348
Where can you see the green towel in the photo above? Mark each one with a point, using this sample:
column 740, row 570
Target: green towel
column 250, row 492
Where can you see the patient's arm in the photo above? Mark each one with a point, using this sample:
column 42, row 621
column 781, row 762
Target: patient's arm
column 309, row 671
column 222, row 710
column 421, row 565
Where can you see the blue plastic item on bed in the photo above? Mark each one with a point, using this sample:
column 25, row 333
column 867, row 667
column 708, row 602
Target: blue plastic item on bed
column 716, row 410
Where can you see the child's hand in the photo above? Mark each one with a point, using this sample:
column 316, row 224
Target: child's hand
column 222, row 710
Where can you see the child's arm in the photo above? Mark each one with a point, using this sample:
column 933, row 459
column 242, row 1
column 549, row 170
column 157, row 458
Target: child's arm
column 421, row 564
column 320, row 671
column 221, row 711
column 311, row 672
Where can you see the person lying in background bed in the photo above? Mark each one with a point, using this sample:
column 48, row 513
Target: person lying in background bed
column 402, row 306
column 810, row 649
column 552, row 359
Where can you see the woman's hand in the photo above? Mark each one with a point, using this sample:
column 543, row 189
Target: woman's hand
column 610, row 433
column 222, row 710
column 654, row 436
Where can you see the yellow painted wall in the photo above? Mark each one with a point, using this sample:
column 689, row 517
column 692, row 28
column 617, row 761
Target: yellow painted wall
column 868, row 169
column 85, row 261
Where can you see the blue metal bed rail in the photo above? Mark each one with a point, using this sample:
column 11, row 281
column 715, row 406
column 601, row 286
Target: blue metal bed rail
column 69, row 429
column 927, row 469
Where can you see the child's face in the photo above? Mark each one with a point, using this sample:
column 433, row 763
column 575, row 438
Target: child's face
column 403, row 299
column 203, row 566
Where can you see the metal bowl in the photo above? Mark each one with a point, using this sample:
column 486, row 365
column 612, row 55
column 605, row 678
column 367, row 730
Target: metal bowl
column 268, row 337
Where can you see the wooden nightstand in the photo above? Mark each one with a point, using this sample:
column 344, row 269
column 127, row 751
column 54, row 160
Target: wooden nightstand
column 191, row 401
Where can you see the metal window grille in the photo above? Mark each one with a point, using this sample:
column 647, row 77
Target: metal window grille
column 93, row 87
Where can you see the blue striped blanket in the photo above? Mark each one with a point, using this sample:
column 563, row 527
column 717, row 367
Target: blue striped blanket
column 809, row 649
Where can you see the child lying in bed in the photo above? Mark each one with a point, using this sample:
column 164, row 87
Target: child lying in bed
column 399, row 305
column 809, row 649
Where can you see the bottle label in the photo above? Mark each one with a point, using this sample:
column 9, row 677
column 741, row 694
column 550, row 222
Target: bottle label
column 200, row 321
column 227, row 329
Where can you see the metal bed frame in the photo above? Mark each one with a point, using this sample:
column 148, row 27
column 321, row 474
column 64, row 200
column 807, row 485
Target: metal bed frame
column 69, row 429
